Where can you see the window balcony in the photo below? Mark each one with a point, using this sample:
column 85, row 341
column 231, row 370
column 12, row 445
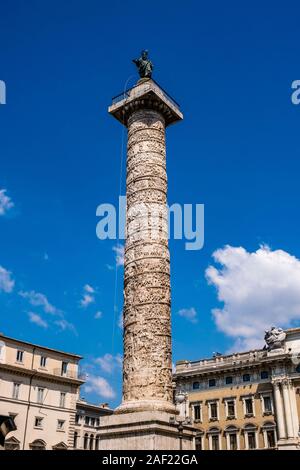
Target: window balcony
column 70, row 374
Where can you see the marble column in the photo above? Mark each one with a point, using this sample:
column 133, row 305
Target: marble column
column 295, row 417
column 146, row 110
column 279, row 411
column 287, row 409
column 147, row 373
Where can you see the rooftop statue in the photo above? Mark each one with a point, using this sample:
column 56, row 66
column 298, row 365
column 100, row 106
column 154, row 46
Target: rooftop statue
column 275, row 338
column 144, row 65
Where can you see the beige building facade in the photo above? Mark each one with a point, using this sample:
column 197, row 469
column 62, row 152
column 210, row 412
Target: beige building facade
column 87, row 422
column 245, row 401
column 39, row 389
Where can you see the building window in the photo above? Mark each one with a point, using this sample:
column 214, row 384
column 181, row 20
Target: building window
column 196, row 385
column 264, row 375
column 212, row 382
column 269, row 435
column 267, row 405
column 40, row 395
column 249, row 406
column 75, row 440
column 60, row 425
column 246, row 378
column 215, row 442
column 228, row 380
column 92, row 442
column 213, row 411
column 64, row 368
column 196, row 412
column 97, row 441
column 251, row 440
column 232, row 441
column 16, row 391
column 77, row 419
column 38, row 422
column 87, row 421
column 271, row 438
column 97, row 422
column 199, row 442
column 85, row 441
column 92, row 421
column 232, row 438
column 230, row 408
column 62, row 400
column 20, row 356
column 43, row 361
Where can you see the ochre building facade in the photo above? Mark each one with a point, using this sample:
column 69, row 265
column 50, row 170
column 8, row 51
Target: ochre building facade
column 244, row 401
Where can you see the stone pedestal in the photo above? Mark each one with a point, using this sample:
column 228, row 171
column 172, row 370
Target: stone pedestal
column 142, row 421
column 145, row 430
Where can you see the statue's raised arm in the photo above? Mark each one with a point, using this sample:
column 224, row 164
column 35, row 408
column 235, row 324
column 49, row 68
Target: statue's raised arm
column 144, row 65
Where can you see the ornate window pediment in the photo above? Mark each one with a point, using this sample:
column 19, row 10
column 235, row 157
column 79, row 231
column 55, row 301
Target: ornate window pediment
column 12, row 443
column 60, row 446
column 38, row 444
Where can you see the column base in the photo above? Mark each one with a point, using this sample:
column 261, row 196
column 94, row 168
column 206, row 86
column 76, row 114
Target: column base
column 288, row 444
column 144, row 430
column 146, row 405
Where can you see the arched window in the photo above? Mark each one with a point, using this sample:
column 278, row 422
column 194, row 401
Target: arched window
column 75, row 440
column 92, row 442
column 232, row 438
column 214, row 438
column 199, row 440
column 97, row 441
column 250, row 433
column 85, row 441
column 269, row 432
column 38, row 444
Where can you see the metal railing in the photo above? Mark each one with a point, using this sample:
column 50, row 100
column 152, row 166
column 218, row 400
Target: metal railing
column 126, row 94
column 70, row 374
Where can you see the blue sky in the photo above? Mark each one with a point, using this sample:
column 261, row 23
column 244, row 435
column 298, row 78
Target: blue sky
column 230, row 66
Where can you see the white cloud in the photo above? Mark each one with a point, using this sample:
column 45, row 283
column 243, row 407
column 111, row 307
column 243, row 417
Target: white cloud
column 6, row 282
column 89, row 289
column 99, row 386
column 87, row 300
column 40, row 300
column 88, row 296
column 258, row 289
column 98, row 315
column 37, row 319
column 64, row 325
column 108, row 362
column 5, row 202
column 119, row 251
column 189, row 314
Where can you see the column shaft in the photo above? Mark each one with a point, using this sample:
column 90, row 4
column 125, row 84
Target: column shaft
column 287, row 410
column 147, row 369
column 295, row 417
column 279, row 411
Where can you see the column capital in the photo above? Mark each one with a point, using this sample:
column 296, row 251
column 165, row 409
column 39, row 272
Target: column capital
column 286, row 382
column 145, row 95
